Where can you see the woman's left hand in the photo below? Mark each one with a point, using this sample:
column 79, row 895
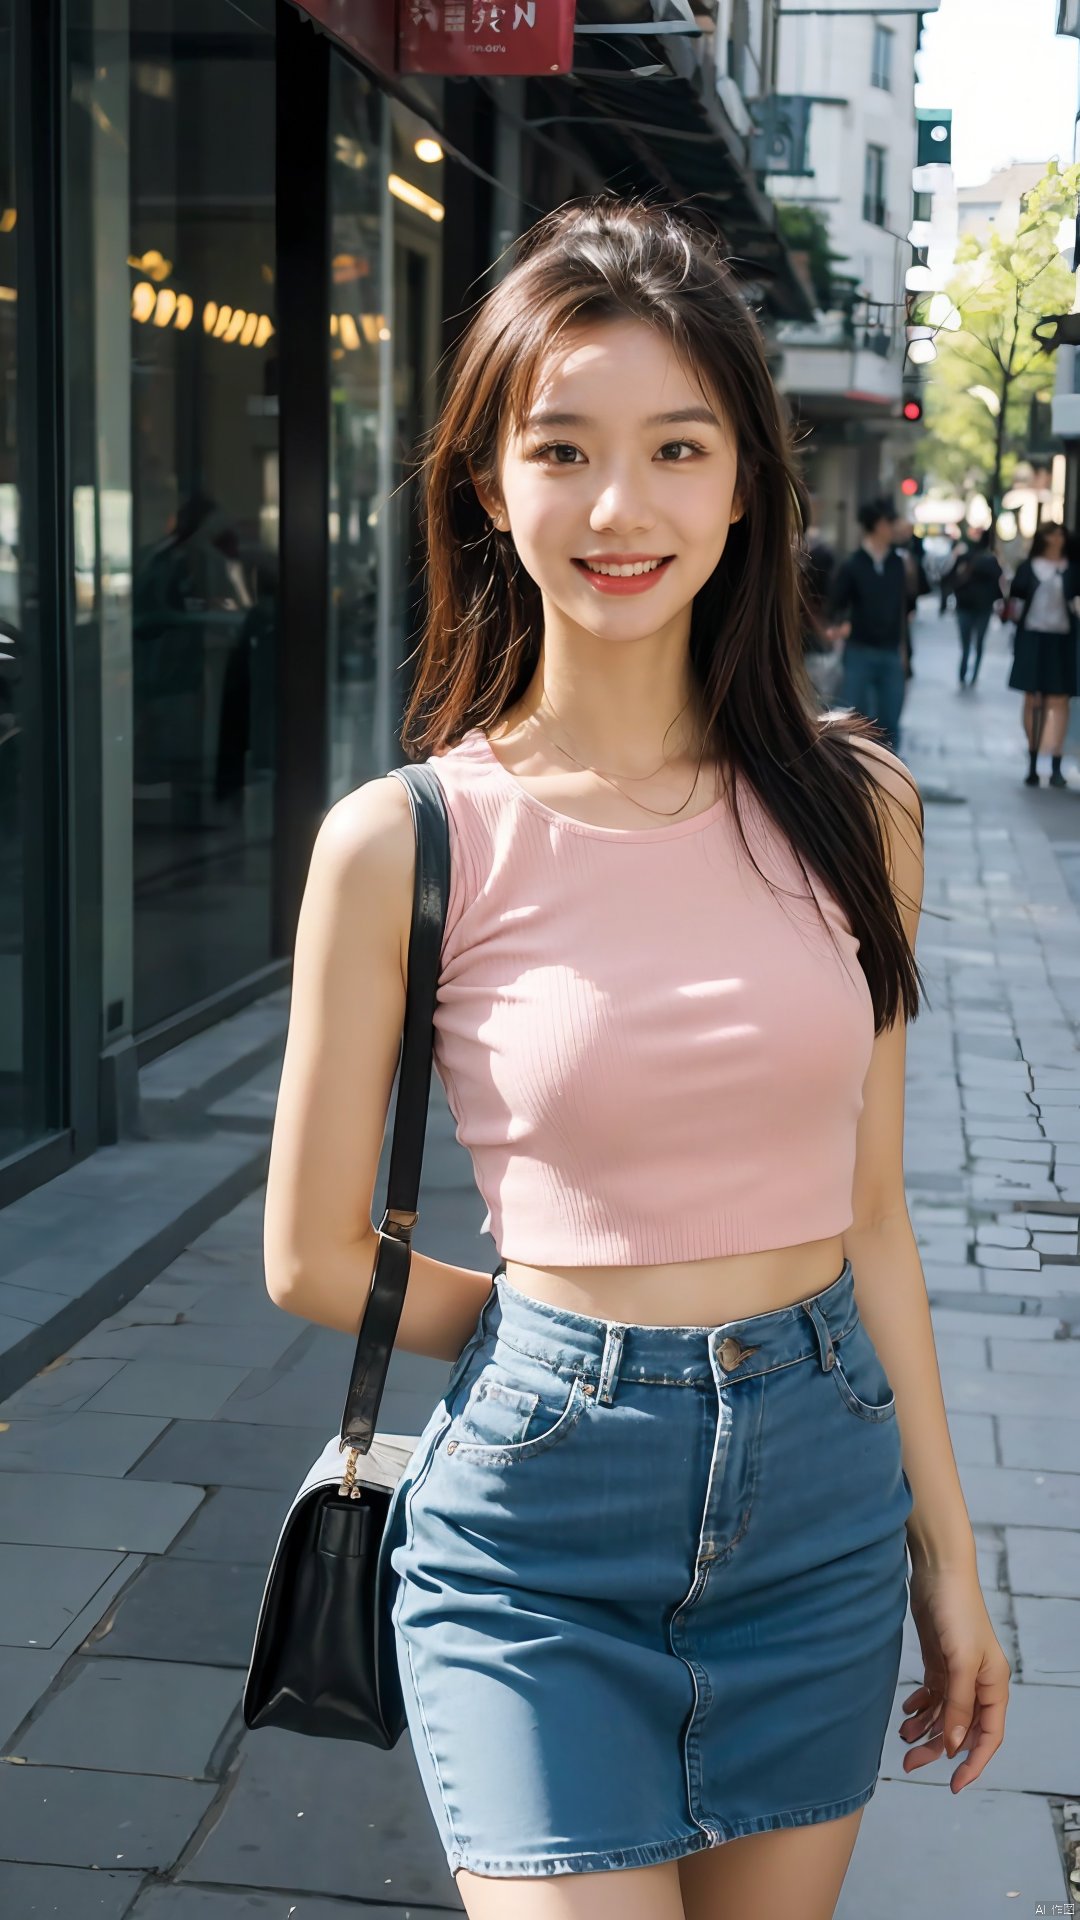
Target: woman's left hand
column 963, row 1700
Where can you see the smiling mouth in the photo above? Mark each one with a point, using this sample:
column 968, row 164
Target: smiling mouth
column 623, row 569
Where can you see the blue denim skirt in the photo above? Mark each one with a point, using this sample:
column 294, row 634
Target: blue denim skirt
column 650, row 1582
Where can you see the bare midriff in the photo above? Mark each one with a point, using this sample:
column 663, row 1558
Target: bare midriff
column 693, row 1293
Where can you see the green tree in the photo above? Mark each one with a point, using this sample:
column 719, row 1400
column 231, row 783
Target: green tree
column 1000, row 288
column 806, row 230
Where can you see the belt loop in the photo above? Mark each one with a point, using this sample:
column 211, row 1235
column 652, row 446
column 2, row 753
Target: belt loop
column 826, row 1350
column 609, row 1366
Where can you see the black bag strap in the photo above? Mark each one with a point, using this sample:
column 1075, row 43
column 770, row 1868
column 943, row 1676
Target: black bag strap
column 386, row 1298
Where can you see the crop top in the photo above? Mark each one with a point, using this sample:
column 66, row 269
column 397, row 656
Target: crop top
column 649, row 1056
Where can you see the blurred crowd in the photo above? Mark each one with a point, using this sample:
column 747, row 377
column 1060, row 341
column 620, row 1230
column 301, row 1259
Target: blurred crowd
column 857, row 637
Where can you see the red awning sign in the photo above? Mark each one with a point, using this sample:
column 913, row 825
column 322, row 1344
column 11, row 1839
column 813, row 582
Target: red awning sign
column 464, row 37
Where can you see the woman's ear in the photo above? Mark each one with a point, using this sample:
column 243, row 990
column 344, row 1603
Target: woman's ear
column 490, row 503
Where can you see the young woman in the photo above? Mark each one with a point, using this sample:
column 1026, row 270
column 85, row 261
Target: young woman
column 1044, row 667
column 650, row 1555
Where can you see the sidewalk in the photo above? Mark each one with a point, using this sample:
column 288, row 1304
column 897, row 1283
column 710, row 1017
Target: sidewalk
column 143, row 1475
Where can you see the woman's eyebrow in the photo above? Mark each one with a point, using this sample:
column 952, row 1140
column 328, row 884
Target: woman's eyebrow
column 682, row 416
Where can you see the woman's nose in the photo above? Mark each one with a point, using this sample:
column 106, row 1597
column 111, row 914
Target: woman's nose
column 622, row 506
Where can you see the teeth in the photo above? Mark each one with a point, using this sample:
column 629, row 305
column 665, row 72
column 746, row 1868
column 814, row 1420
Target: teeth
column 624, row 572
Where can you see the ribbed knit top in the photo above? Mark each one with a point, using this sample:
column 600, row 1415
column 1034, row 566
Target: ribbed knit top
column 648, row 1054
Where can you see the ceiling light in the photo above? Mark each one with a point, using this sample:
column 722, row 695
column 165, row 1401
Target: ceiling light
column 427, row 150
column 415, row 197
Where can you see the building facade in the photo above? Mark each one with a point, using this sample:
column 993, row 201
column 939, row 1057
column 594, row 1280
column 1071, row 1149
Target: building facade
column 844, row 370
column 234, row 245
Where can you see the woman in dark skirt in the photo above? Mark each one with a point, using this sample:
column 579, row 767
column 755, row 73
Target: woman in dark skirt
column 1044, row 588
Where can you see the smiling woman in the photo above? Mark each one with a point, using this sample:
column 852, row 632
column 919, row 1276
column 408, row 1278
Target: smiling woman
column 676, row 971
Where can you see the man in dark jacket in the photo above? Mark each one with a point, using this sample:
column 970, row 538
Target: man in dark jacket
column 869, row 610
column 973, row 577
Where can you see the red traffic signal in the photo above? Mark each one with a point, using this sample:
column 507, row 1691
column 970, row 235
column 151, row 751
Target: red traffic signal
column 912, row 409
column 909, row 486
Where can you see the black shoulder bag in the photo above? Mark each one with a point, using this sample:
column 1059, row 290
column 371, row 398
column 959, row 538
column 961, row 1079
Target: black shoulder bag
column 323, row 1661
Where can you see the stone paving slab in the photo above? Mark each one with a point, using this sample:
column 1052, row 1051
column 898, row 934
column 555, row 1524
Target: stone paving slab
column 71, row 1817
column 181, row 1389
column 86, row 1511
column 1012, row 1496
column 197, row 1610
column 1007, row 1393
column 66, row 1893
column 45, row 1588
column 1051, row 1443
column 1049, row 1639
column 1044, row 1561
column 105, row 1444
column 233, row 1524
column 207, row 1903
column 221, row 1345
column 217, row 1453
column 104, row 1227
column 27, row 1673
column 942, row 1856
column 297, row 1816
column 135, row 1717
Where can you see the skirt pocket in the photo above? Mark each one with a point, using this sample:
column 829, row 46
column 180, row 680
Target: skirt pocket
column 503, row 1421
column 860, row 1377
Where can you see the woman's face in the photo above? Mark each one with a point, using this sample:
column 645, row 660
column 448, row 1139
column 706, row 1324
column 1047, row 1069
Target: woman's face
column 1055, row 544
column 620, row 490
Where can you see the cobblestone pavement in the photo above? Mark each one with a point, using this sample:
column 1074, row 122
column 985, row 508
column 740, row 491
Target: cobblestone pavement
column 143, row 1476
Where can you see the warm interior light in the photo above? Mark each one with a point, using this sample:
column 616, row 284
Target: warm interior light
column 8, row 217
column 427, row 150
column 370, row 324
column 209, row 316
column 263, row 331
column 185, row 311
column 348, row 331
column 236, row 325
column 415, row 197
column 143, row 301
column 164, row 307
column 248, row 334
column 8, row 293
column 222, row 321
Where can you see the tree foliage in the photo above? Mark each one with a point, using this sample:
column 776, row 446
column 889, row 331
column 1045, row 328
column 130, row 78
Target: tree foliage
column 1001, row 286
column 805, row 229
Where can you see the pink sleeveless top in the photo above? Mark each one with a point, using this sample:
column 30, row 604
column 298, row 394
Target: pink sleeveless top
column 649, row 1055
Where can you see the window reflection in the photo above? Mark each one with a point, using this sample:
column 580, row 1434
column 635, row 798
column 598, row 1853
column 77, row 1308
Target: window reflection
column 28, row 744
column 386, row 210
column 179, row 565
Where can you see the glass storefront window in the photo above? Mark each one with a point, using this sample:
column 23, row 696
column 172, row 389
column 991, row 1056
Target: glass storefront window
column 386, row 259
column 29, row 741
column 172, row 281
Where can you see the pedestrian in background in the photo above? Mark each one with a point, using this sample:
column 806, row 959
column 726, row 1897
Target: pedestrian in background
column 869, row 612
column 1042, row 600
column 974, row 580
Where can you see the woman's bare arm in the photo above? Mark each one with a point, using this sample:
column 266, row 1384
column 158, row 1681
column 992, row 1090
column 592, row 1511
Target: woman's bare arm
column 346, row 1014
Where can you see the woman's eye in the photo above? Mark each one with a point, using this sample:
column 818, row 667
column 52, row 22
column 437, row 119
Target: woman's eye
column 559, row 452
column 675, row 449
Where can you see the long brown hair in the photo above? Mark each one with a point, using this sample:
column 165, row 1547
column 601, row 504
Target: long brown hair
column 608, row 259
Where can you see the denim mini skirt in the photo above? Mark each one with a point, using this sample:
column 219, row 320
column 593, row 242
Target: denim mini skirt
column 650, row 1582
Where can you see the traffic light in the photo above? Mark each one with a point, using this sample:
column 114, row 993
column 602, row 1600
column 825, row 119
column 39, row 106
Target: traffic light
column 909, row 486
column 912, row 409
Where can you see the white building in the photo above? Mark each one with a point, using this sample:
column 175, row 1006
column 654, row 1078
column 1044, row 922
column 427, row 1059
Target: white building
column 844, row 371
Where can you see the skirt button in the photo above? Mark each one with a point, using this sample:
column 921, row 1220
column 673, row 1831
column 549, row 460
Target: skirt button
column 730, row 1354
